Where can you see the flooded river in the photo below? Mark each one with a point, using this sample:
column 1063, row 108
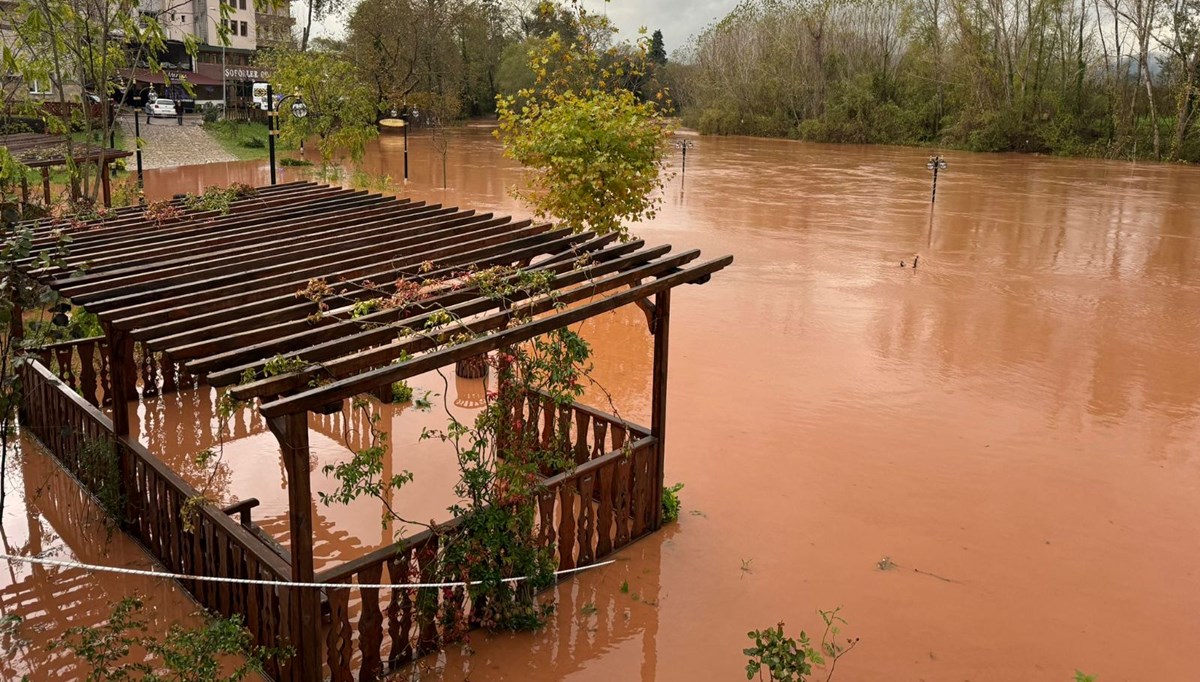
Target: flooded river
column 987, row 461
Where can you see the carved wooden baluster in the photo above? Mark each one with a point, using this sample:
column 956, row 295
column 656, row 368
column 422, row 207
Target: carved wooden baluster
column 548, row 414
column 337, row 635
column 624, row 512
column 604, row 525
column 563, row 431
column 88, row 384
column 399, row 612
column 427, row 599
column 370, row 623
column 587, row 518
column 617, row 434
column 530, row 433
column 566, row 525
column 546, row 534
column 582, row 420
column 66, row 365
column 600, row 441
column 105, row 386
column 254, row 617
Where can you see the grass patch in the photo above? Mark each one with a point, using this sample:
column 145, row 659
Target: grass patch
column 243, row 139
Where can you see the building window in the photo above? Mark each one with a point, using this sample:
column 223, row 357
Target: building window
column 241, row 4
column 37, row 87
column 244, row 29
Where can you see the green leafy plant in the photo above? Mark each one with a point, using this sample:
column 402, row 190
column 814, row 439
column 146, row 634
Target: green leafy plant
column 341, row 108
column 671, row 504
column 210, row 112
column 219, row 199
column 401, row 392
column 787, row 659
column 1081, row 676
column 220, row 650
column 291, row 161
column 362, row 308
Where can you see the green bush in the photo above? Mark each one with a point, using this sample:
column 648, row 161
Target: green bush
column 253, row 143
column 289, row 161
column 210, row 112
column 402, row 392
column 670, row 503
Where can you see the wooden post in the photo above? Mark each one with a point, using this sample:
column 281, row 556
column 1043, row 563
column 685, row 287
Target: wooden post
column 46, row 185
column 658, row 410
column 122, row 377
column 106, row 184
column 292, row 432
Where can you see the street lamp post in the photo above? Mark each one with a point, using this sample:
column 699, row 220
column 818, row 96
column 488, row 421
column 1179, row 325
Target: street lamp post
column 137, row 136
column 936, row 163
column 299, row 110
column 684, row 146
column 271, row 129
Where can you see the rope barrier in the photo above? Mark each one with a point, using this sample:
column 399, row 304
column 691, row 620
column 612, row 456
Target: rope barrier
column 270, row 583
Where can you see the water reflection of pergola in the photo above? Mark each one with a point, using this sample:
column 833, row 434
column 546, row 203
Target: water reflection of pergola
column 215, row 296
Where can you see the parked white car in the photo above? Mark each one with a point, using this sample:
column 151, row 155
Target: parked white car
column 161, row 107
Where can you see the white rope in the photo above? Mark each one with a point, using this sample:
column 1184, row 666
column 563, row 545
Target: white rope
column 271, row 583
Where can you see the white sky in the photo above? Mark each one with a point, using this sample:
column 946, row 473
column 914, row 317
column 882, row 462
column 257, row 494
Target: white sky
column 677, row 19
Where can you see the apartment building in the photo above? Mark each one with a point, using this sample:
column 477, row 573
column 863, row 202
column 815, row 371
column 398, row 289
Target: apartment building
column 221, row 71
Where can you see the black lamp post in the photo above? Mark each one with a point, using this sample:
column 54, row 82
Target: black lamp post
column 404, row 126
column 299, row 110
column 137, row 137
column 684, row 146
column 271, row 129
column 936, row 163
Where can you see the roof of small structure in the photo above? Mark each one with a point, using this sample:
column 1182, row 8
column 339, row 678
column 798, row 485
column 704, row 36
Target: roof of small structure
column 37, row 150
column 219, row 293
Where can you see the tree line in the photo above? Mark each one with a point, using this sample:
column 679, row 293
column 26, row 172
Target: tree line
column 1108, row 78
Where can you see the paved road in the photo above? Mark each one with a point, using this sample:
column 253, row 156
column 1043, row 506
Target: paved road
column 165, row 144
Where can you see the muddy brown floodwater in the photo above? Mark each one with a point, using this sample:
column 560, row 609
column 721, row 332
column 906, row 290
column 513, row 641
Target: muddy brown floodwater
column 988, row 461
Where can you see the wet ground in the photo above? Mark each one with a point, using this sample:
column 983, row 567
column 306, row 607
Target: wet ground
column 986, row 461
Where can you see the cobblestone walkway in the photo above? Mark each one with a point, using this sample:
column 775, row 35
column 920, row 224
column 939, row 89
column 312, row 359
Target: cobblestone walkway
column 165, row 144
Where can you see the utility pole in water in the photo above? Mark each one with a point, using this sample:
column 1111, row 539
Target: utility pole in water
column 935, row 164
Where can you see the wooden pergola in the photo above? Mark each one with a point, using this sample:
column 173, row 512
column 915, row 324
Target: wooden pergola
column 36, row 150
column 217, row 294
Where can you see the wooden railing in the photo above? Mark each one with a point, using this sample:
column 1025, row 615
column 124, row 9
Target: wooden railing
column 82, row 364
column 590, row 433
column 151, row 502
column 584, row 515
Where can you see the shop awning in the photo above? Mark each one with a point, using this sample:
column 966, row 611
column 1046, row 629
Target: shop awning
column 172, row 76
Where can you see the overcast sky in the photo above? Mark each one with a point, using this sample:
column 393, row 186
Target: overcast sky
column 677, row 19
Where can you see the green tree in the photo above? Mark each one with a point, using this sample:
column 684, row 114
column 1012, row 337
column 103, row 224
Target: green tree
column 657, row 53
column 596, row 151
column 341, row 109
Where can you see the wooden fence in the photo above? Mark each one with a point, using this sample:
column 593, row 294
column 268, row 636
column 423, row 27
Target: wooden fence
column 150, row 502
column 601, row 503
column 82, row 364
column 585, row 514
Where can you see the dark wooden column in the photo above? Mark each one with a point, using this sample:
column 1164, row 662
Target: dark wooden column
column 292, row 432
column 658, row 410
column 106, row 185
column 122, row 377
column 46, row 185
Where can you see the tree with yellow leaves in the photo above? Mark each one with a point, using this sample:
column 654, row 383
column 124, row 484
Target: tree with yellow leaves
column 595, row 146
